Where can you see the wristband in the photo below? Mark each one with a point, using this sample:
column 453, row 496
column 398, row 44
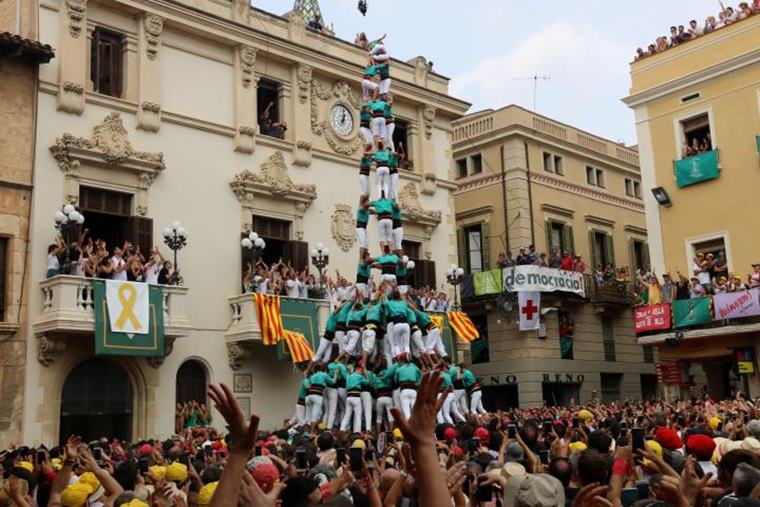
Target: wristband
column 621, row 467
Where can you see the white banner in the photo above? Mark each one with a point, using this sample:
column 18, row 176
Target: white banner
column 734, row 305
column 537, row 278
column 128, row 307
column 529, row 306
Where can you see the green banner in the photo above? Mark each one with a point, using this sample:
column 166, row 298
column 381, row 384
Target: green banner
column 487, row 282
column 299, row 315
column 691, row 312
column 108, row 342
column 697, row 168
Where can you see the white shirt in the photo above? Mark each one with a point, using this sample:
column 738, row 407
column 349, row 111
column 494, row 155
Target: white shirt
column 79, row 266
column 118, row 262
column 151, row 274
column 702, row 276
column 53, row 262
column 303, row 291
column 292, row 287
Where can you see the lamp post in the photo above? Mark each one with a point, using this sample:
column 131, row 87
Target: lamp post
column 320, row 257
column 454, row 276
column 175, row 237
column 68, row 223
column 253, row 245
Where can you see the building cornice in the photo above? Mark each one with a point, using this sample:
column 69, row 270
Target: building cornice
column 730, row 65
column 712, row 332
column 635, row 230
column 557, row 210
column 561, row 184
column 475, row 212
column 593, row 219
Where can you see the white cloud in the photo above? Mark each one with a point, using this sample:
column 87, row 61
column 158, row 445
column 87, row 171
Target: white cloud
column 588, row 76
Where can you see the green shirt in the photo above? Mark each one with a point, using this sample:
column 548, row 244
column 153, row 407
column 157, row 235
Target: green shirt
column 383, row 206
column 382, row 158
column 362, row 216
column 370, row 70
column 378, row 107
column 356, row 381
column 332, row 321
column 365, row 164
column 340, row 368
column 388, row 111
column 343, row 312
column 401, row 270
column 385, row 379
column 397, row 308
column 411, row 318
column 393, row 163
column 357, row 315
column 446, row 381
column 304, row 388
column 375, row 313
column 365, row 114
column 321, row 378
column 408, row 373
column 423, row 319
column 469, row 378
column 363, row 269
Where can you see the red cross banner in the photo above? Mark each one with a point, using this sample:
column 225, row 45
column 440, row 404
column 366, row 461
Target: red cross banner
column 529, row 304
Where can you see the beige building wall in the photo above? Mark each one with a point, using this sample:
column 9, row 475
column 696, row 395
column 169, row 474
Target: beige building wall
column 517, row 142
column 190, row 77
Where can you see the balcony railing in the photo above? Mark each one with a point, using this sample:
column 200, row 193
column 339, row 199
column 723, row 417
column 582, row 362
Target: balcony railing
column 701, row 167
column 609, row 291
column 244, row 323
column 68, row 308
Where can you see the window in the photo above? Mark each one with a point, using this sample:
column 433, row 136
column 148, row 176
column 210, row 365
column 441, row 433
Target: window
column 636, row 189
column 600, row 178
column 629, row 187
column 594, row 176
column 548, row 162
column 268, row 104
column 106, row 54
column 608, row 333
column 423, row 274
column 648, row 354
column 712, row 246
column 461, row 168
column 411, row 249
column 602, row 249
column 610, row 383
column 559, row 236
column 276, row 233
column 648, row 386
column 474, row 248
column 191, row 382
column 639, row 255
column 632, row 188
column 108, row 217
column 3, row 275
column 695, row 135
column 559, row 166
column 477, row 163
column 401, row 143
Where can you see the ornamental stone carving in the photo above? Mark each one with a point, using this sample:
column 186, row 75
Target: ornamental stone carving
column 302, row 154
column 149, row 116
column 236, row 354
column 428, row 183
column 304, row 75
column 71, row 97
column 247, row 56
column 421, row 70
column 343, row 227
column 75, row 10
column 411, row 208
column 296, row 26
column 428, row 115
column 154, row 25
column 68, row 86
column 49, row 348
column 272, row 177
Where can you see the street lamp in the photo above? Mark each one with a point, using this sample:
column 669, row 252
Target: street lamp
column 320, row 257
column 454, row 276
column 253, row 246
column 68, row 222
column 175, row 237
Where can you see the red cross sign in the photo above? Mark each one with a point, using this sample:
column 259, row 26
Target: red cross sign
column 529, row 309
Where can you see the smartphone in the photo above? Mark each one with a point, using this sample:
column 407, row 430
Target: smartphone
column 681, row 420
column 511, row 431
column 544, row 456
column 355, row 459
column 257, row 450
column 97, row 453
column 301, row 460
column 369, row 454
column 628, row 496
column 547, row 426
column 637, row 436
column 473, row 444
column 576, row 422
column 340, row 455
column 208, row 450
column 643, row 488
column 485, row 492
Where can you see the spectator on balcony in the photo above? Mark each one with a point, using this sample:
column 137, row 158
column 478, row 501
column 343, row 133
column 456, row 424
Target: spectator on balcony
column 599, row 274
column 118, row 264
column 701, row 270
column 683, row 34
column 293, row 283
column 566, row 263
column 754, row 278
column 166, row 272
column 531, row 254
column 153, row 267
column 662, row 43
column 729, row 15
column 710, row 25
column 696, row 288
column 522, row 258
column 720, row 285
column 640, row 53
column 651, row 285
column 505, row 260
column 695, row 30
column 269, row 127
column 135, row 269
column 555, row 258
column 675, row 39
column 735, row 284
column 54, row 251
column 609, row 272
column 668, row 289
column 579, row 266
column 720, row 265
column 541, row 261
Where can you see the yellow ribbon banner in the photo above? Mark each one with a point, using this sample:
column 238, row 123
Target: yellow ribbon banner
column 127, row 307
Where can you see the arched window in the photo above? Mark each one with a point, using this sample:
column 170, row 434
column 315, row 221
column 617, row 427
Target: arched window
column 96, row 401
column 191, row 382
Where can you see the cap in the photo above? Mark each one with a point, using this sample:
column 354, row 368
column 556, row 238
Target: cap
column 585, row 415
column 157, row 472
column 511, row 469
column 135, row 502
column 655, row 447
column 450, row 433
column 714, row 422
column 667, row 438
column 206, row 493
column 144, row 449
column 266, row 475
column 176, row 472
column 397, row 435
column 701, row 446
column 26, row 465
column 530, row 490
column 76, row 494
column 577, row 447
column 483, row 435
column 358, row 444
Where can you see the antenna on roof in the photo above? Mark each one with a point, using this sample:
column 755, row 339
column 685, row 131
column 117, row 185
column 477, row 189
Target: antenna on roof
column 535, row 78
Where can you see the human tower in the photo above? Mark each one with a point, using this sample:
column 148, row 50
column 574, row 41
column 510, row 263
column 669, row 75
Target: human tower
column 384, row 340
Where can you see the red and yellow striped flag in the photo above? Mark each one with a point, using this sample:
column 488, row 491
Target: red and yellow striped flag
column 463, row 326
column 437, row 319
column 300, row 350
column 270, row 320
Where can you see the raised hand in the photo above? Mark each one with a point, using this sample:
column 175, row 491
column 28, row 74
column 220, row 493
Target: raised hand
column 242, row 433
column 420, row 427
column 71, row 450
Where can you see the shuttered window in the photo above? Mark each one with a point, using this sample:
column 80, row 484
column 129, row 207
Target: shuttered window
column 271, row 228
column 109, row 202
column 106, row 62
column 424, row 274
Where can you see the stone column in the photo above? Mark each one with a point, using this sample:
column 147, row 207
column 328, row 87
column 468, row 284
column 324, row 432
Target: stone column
column 414, row 145
column 245, row 99
column 149, row 61
column 72, row 55
column 424, row 139
column 300, row 128
column 518, row 208
column 285, row 100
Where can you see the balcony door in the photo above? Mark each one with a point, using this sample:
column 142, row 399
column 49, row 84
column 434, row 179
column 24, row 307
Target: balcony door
column 96, row 401
column 107, row 215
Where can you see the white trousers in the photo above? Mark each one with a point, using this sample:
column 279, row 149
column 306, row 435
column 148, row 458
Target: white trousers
column 418, row 348
column 408, row 397
column 332, row 406
column 363, row 289
column 396, row 393
column 389, row 128
column 366, row 134
column 340, row 338
column 314, row 407
column 393, row 190
column 398, row 237
column 324, row 351
column 353, row 411
column 384, row 404
column 461, row 400
column 364, row 184
column 385, row 230
column 434, row 343
column 353, row 337
column 362, row 237
column 300, row 416
column 377, row 126
column 385, row 86
column 368, row 340
column 388, row 351
column 382, row 179
column 367, row 410
column 368, row 87
column 401, row 337
column 451, row 408
column 476, row 403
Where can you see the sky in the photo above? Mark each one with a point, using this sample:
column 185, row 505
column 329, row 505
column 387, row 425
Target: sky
column 484, row 46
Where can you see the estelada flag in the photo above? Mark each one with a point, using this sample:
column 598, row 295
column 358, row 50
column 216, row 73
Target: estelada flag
column 463, row 326
column 300, row 350
column 270, row 320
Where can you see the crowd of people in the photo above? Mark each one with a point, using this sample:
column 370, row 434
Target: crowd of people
column 557, row 259
column 620, row 454
column 91, row 258
column 709, row 276
column 680, row 34
column 191, row 414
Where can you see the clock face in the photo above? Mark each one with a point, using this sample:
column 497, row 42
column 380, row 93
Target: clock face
column 341, row 120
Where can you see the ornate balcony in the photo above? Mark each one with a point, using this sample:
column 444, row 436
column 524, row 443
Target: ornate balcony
column 244, row 331
column 67, row 310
